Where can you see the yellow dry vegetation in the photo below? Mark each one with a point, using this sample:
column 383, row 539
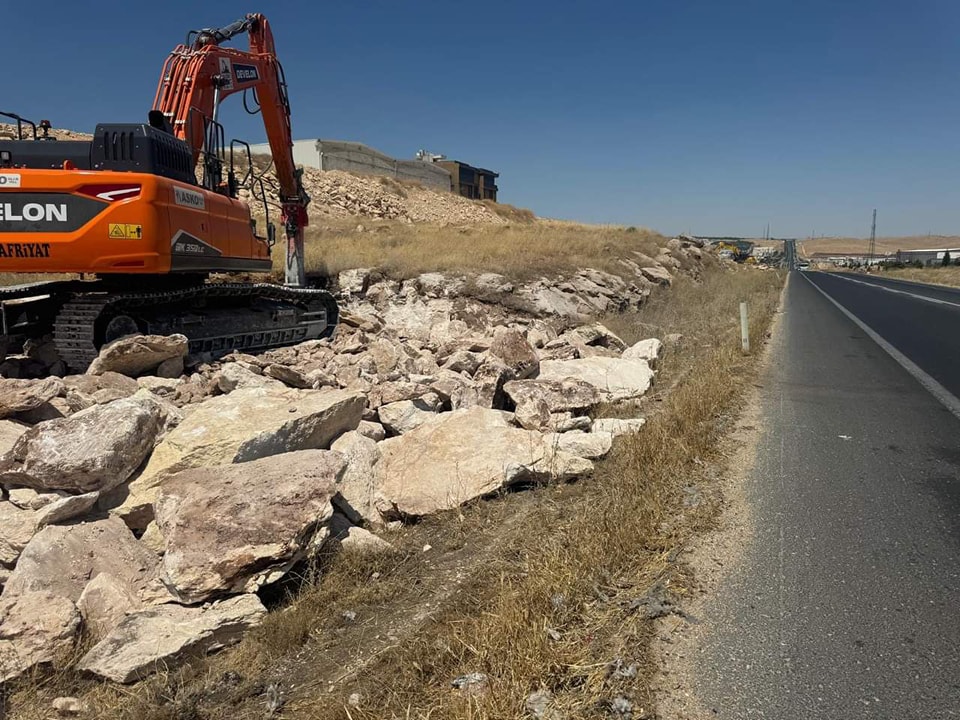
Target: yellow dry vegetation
column 935, row 275
column 840, row 245
column 519, row 251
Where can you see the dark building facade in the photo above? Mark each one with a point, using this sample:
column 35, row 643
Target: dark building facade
column 471, row 182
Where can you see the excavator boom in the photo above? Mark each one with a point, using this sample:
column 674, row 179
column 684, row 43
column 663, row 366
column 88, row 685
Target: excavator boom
column 200, row 74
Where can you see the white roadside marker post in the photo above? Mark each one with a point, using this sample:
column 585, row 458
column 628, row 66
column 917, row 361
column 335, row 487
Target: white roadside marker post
column 744, row 328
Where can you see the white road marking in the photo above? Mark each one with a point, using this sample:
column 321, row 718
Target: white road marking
column 946, row 398
column 900, row 292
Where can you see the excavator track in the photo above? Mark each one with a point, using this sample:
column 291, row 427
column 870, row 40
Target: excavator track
column 73, row 330
column 215, row 318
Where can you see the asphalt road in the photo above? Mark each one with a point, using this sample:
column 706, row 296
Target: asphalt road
column 847, row 601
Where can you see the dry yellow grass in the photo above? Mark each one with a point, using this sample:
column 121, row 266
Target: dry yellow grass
column 547, row 599
column 520, row 251
column 936, row 275
column 841, row 245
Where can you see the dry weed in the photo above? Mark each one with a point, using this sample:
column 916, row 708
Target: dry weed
column 519, row 251
column 949, row 276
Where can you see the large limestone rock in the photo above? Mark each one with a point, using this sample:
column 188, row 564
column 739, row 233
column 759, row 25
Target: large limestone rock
column 162, row 638
column 618, row 426
column 615, row 378
column 82, row 391
column 94, row 449
column 236, row 376
column 403, row 416
column 104, row 602
column 370, row 429
column 583, row 444
column 560, row 395
column 463, row 361
column 355, row 539
column 391, row 392
column 288, row 376
column 22, row 395
column 657, row 273
column 34, row 628
column 489, row 381
column 10, row 432
column 245, row 425
column 544, row 300
column 357, row 490
column 17, row 526
column 30, row 499
column 62, row 559
column 460, row 456
column 593, row 335
column 66, row 508
column 533, row 414
column 648, row 350
column 516, row 353
column 236, row 527
column 138, row 354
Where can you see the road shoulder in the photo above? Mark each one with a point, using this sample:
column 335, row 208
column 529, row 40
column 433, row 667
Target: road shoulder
column 711, row 557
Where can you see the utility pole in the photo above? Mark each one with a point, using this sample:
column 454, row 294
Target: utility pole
column 873, row 237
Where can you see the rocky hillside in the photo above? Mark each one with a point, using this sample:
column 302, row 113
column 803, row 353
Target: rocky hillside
column 147, row 503
column 338, row 195
column 9, row 132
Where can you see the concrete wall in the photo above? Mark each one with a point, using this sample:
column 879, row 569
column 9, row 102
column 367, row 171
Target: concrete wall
column 359, row 158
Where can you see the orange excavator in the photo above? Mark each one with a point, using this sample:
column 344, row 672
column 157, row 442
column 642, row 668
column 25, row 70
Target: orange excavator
column 144, row 214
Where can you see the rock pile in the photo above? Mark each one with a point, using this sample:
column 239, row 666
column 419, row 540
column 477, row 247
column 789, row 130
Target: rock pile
column 150, row 510
column 338, row 194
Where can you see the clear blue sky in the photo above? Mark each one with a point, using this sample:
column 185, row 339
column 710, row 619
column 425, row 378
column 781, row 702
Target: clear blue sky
column 711, row 117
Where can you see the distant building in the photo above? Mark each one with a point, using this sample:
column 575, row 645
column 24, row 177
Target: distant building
column 930, row 256
column 360, row 158
column 428, row 168
column 471, row 182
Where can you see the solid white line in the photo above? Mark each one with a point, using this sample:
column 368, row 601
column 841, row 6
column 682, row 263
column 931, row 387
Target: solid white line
column 946, row 398
column 900, row 292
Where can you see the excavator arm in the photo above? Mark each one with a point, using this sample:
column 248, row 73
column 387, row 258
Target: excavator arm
column 198, row 75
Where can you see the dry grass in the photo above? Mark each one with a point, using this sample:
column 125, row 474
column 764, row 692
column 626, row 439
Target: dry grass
column 520, row 251
column 935, row 275
column 510, row 212
column 839, row 245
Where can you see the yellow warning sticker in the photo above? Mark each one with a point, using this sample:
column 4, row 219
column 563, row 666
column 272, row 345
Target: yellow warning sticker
column 126, row 231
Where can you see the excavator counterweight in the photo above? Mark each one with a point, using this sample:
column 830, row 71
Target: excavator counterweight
column 128, row 213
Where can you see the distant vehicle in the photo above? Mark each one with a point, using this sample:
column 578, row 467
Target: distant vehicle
column 804, row 266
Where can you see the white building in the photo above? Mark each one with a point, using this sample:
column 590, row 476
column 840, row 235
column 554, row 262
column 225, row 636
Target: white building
column 359, row 158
